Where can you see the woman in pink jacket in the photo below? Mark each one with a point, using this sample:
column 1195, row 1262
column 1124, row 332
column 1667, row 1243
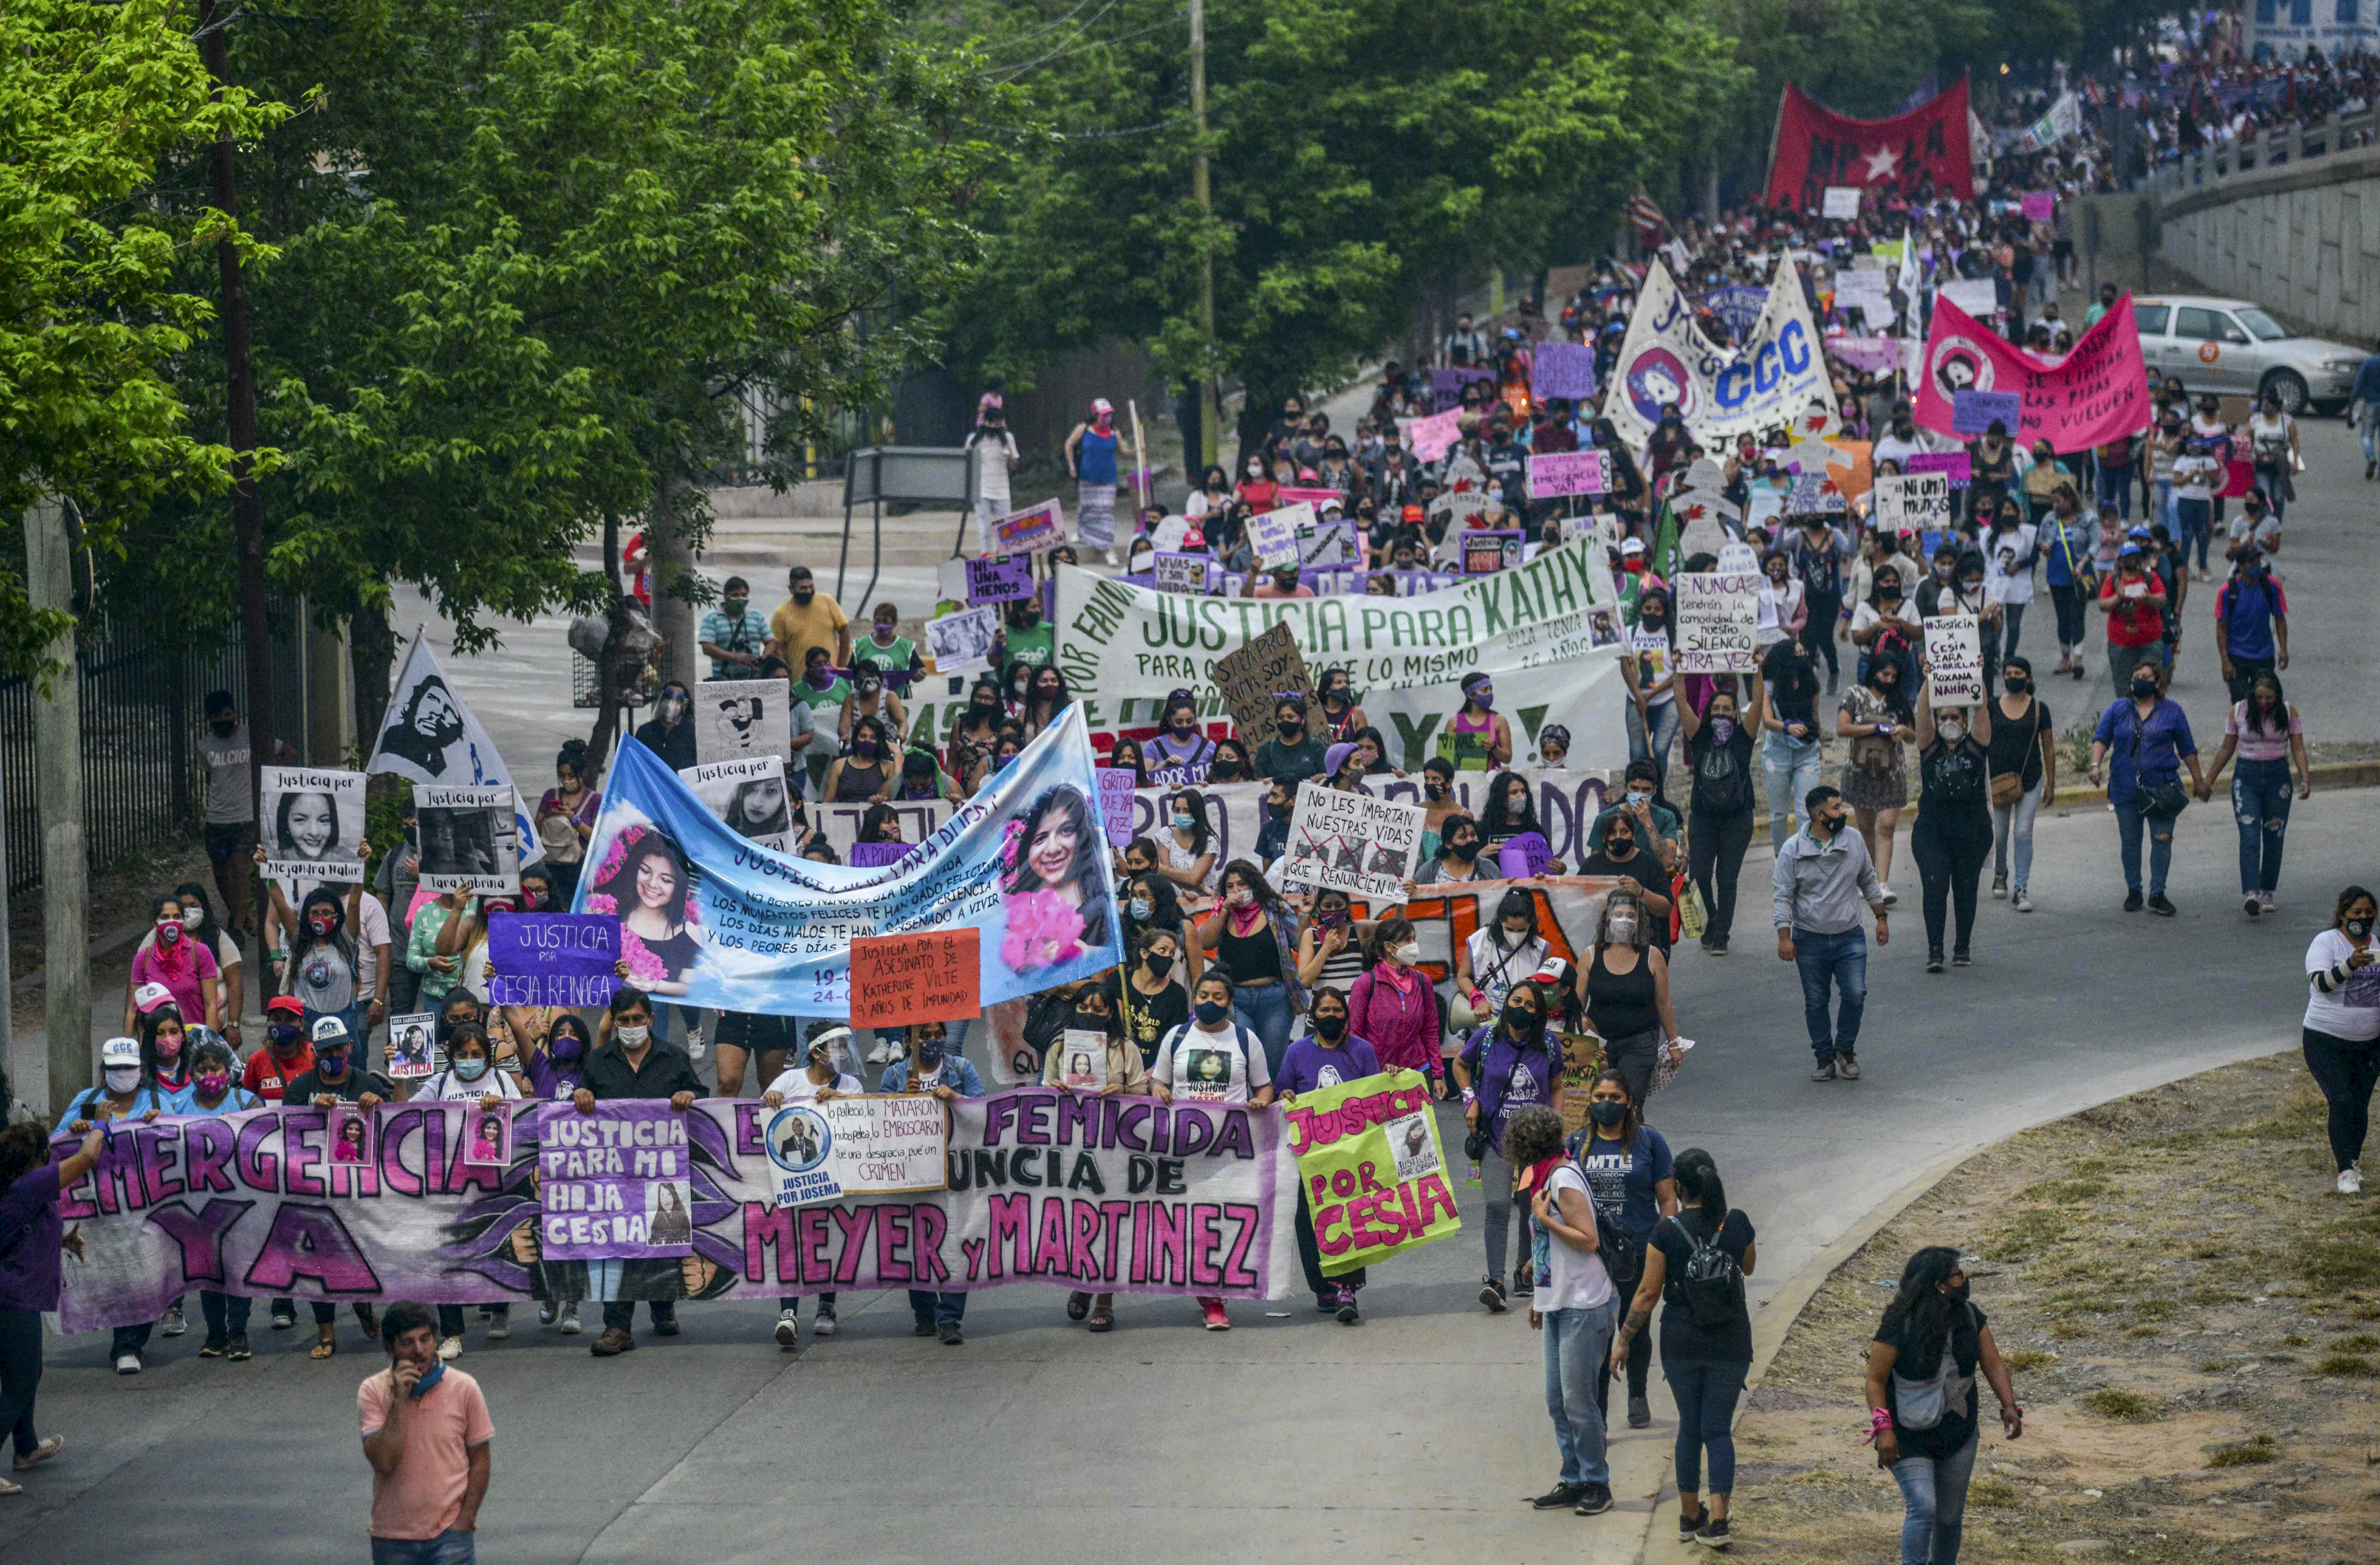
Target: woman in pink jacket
column 1393, row 1007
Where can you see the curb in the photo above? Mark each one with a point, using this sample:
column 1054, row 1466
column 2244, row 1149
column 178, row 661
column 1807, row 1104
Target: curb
column 2329, row 774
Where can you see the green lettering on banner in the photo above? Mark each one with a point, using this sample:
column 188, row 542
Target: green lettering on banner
column 1488, row 607
column 1565, row 600
column 1374, row 1173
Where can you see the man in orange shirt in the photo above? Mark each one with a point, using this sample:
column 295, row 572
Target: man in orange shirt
column 425, row 1431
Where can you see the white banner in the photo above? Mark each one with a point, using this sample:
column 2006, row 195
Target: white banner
column 1351, row 842
column 311, row 823
column 1954, row 645
column 1779, row 380
column 1566, row 803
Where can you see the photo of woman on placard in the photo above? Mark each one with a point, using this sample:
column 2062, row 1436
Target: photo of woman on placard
column 1054, row 875
column 349, row 1139
column 671, row 1224
column 759, row 810
column 488, row 1141
column 306, row 825
column 647, row 880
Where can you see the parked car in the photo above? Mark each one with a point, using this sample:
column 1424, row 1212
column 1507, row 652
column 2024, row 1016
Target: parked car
column 2233, row 348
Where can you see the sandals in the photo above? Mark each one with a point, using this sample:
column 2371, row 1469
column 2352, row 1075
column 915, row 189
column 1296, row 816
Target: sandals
column 323, row 1349
column 1077, row 1305
column 1103, row 1319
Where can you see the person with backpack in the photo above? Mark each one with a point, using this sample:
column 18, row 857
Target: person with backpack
column 2148, row 740
column 1628, row 1171
column 1212, row 1059
column 1921, row 1399
column 1694, row 1265
column 1952, row 838
column 1718, row 816
column 1574, row 1305
column 1508, row 1065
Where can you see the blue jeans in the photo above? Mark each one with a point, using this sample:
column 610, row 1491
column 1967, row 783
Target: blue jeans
column 937, row 1309
column 2165, row 505
column 1705, row 1395
column 2195, row 517
column 1791, row 767
column 2129, row 822
column 1842, row 960
column 1934, row 1493
column 1577, row 1343
column 1266, row 1011
column 2013, row 824
column 2116, row 491
column 2260, row 803
column 1655, row 746
column 449, row 1547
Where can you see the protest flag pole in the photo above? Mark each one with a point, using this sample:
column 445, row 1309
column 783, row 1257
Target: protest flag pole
column 1210, row 412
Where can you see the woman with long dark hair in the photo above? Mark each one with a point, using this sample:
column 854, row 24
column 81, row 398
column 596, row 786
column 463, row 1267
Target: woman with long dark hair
column 1053, row 851
column 1178, row 753
column 1230, row 763
column 650, row 884
column 1953, row 836
column 324, row 967
column 1125, row 756
column 2342, row 1027
column 1509, row 1064
column 1921, row 1399
column 1876, row 718
column 1790, row 752
column 29, row 1240
column 1187, row 849
column 2264, row 734
column 1626, row 1164
column 865, row 774
column 1049, row 697
column 1253, row 934
column 1512, row 811
column 979, row 721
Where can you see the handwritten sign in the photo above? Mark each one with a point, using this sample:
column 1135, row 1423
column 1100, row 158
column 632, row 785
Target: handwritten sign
column 1563, row 369
column 1974, row 412
column 1180, row 573
column 1978, row 297
column 1912, row 502
column 2040, row 206
column 1870, row 292
column 1272, row 537
column 1815, row 494
column 876, row 855
column 1955, row 465
column 1569, row 472
column 1351, row 842
column 1330, row 546
column 615, row 1184
column 882, row 1143
column 961, row 643
column 932, row 976
column 552, row 958
column 1115, row 801
column 1840, row 200
column 1433, row 437
column 999, row 578
column 1446, row 385
column 1029, row 531
column 1954, row 645
column 1258, row 674
column 1719, row 619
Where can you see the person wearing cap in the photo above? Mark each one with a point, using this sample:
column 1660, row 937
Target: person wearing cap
column 1091, row 462
column 335, row 1078
column 2197, row 474
column 2134, row 601
column 821, row 1077
column 2251, row 621
column 213, row 1094
column 128, row 1088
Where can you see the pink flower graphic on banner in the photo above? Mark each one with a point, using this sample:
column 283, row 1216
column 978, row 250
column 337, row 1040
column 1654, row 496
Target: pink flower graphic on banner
column 599, row 903
column 642, row 963
column 1009, row 836
column 1044, row 930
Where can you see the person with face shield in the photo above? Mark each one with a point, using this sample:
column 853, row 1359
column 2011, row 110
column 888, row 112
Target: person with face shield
column 337, row 1078
column 1953, row 835
column 669, row 732
column 1626, row 987
column 824, row 1073
column 932, row 1066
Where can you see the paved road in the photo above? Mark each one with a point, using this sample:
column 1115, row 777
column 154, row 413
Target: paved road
column 1405, row 1439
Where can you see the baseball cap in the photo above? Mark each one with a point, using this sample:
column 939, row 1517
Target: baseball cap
column 1101, row 405
column 1413, row 513
column 150, row 995
column 1554, row 971
column 2129, row 548
column 119, row 1051
column 332, row 1029
column 285, row 1005
column 1631, row 546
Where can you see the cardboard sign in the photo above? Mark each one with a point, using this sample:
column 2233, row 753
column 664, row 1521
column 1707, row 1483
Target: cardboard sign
column 311, row 823
column 1974, row 412
column 1912, row 502
column 1954, row 644
column 1179, row 573
column 1719, row 619
column 734, row 718
column 1029, row 531
column 1256, row 675
column 999, row 578
column 553, row 958
column 1272, row 537
column 1955, row 465
column 1569, row 472
column 933, row 975
column 1351, row 842
column 1115, row 802
column 1487, row 550
column 1979, row 296
column 1840, row 200
column 881, row 1144
column 469, row 839
column 961, row 643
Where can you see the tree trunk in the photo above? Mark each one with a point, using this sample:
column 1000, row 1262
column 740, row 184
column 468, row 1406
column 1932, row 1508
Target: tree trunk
column 607, row 667
column 57, row 734
column 673, row 562
column 372, row 653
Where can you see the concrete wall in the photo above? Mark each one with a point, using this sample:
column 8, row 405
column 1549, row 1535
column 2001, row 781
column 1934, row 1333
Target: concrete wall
column 2302, row 239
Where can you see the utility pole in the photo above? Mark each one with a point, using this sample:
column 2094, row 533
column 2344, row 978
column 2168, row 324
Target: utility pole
column 247, row 508
column 57, row 735
column 1209, row 410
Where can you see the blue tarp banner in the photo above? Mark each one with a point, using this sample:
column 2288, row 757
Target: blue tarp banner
column 707, row 918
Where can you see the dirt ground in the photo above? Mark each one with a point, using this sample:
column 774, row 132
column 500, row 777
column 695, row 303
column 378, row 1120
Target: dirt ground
column 2193, row 1319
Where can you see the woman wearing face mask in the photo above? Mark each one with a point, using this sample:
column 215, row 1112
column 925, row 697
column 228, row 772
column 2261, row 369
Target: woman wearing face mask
column 932, row 1067
column 1330, row 946
column 1953, row 835
column 214, row 1094
column 171, row 955
column 1512, row 811
column 668, row 733
column 1158, row 998
column 1507, row 1064
column 1627, row 993
column 2023, row 747
column 565, row 819
column 1254, row 937
column 1884, row 627
column 1231, row 763
column 1179, row 755
column 2042, row 473
column 1783, row 607
column 143, row 1080
column 869, row 698
column 1257, row 490
column 1187, row 847
column 1790, row 752
column 1051, row 698
column 1126, row 1074
column 2265, row 733
column 470, row 1077
column 866, row 774
column 1718, row 813
column 1457, row 854
column 2065, row 542
column 1921, row 1400
column 1476, row 738
column 1212, row 494
column 323, row 968
column 1330, row 1054
column 1876, row 718
column 1991, row 468
column 1438, row 802
column 1340, row 716
column 1626, row 1165
column 1290, row 756
column 1652, row 709
column 2342, row 1027
column 1214, row 1058
column 978, row 724
column 1392, row 1006
column 337, row 1078
column 1498, row 956
column 2149, row 740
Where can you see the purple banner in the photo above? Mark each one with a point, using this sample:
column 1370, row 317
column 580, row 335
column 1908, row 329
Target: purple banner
column 553, row 958
column 615, row 1184
column 1562, row 369
column 874, row 856
column 1955, row 463
column 1869, row 354
column 1115, row 802
column 999, row 578
column 1446, row 387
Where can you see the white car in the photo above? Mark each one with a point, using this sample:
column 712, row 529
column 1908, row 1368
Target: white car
column 2232, row 349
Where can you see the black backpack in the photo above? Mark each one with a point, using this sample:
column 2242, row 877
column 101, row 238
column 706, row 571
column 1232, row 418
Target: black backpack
column 1711, row 1281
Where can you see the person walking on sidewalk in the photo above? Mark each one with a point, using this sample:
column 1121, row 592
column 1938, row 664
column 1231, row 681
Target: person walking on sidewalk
column 2262, row 730
column 2023, row 747
column 2342, row 1027
column 1574, row 1305
column 2149, row 741
column 1627, row 1165
column 426, row 1433
column 1823, row 874
column 1921, row 1398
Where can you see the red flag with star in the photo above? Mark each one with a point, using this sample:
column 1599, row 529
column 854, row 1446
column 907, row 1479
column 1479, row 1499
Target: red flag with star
column 1815, row 148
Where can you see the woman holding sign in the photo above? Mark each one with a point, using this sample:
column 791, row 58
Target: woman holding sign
column 1718, row 818
column 470, row 1077
column 1953, row 835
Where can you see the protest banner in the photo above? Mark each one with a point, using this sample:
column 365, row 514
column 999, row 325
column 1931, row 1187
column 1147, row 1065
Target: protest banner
column 744, row 929
column 615, row 1185
column 1778, row 377
column 1738, row 307
column 1912, row 501
column 565, row 959
column 1351, row 841
column 1111, row 1194
column 410, row 1046
column 1872, row 355
column 1181, row 573
column 1446, row 385
column 881, row 1144
column 468, row 840
column 1956, row 466
column 1030, row 531
column 1117, row 643
column 1115, row 803
column 961, row 643
column 1567, row 804
column 1488, row 550
column 1974, row 412
column 1329, row 546
column 1272, row 536
column 1954, row 645
column 999, row 578
column 931, row 975
column 1254, row 677
column 1432, row 437
column 1870, row 292
column 2096, row 395
column 951, row 581
column 1569, row 472
column 2040, row 206
column 749, row 794
column 1375, row 1175
column 312, row 823
column 1718, row 615
column 1814, row 147
column 428, row 735
column 1840, row 201
column 741, row 717
column 1564, row 369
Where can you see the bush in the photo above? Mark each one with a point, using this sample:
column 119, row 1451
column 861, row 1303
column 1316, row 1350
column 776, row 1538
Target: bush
column 2129, row 1406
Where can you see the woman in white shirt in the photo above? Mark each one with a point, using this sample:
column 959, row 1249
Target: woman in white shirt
column 470, row 1077
column 2008, row 554
column 1574, row 1305
column 2342, row 1027
column 819, row 1079
column 2273, row 444
column 1783, row 610
column 1211, row 1059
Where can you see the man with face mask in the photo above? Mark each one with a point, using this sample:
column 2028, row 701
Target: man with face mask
column 825, row 1075
column 809, row 618
column 231, row 805
column 1279, row 803
column 629, row 1062
column 932, row 1067
column 1823, row 874
column 733, row 634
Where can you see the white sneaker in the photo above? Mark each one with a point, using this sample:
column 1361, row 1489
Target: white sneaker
column 824, row 1324
column 2024, row 904
column 500, row 1327
column 569, row 1327
column 451, row 1349
column 694, row 1043
column 129, row 1364
column 1891, row 896
column 2350, row 1183
column 789, row 1329
column 2267, row 898
column 173, row 1325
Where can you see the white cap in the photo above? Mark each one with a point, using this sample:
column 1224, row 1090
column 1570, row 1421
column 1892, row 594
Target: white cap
column 332, row 1029
column 150, row 995
column 119, row 1051
column 1632, row 546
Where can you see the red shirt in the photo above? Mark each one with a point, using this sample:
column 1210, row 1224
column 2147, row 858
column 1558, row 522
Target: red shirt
column 265, row 1076
column 1260, row 494
column 2131, row 624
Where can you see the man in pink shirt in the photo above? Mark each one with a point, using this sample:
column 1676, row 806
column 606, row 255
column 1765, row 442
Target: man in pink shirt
column 425, row 1431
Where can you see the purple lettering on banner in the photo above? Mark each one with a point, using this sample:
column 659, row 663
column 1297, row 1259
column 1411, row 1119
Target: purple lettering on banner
column 999, row 578
column 874, row 855
column 1565, row 369
column 1568, row 472
column 1525, row 855
column 1974, row 412
column 1871, row 354
column 1115, row 802
column 615, row 1185
column 553, row 958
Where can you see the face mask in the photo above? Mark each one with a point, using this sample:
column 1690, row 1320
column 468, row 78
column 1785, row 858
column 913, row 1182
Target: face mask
column 735, row 607
column 1607, row 1113
column 193, row 918
column 2144, row 690
column 1028, row 619
column 1292, row 730
column 1089, row 1022
column 566, row 1049
column 123, row 1078
column 1210, row 1012
column 169, row 931
column 804, row 593
column 320, row 924
column 864, row 748
column 884, row 633
column 820, row 677
column 1462, row 852
column 1239, row 896
column 169, row 1046
column 1329, row 1028
column 2358, row 928
column 1336, row 696
column 1484, row 696
column 1436, row 789
column 1159, row 963
column 1623, row 927
column 212, row 1084
column 1279, row 812
column 334, row 1064
column 632, row 1037
column 1722, row 729
column 869, row 687
column 471, row 1069
column 1142, row 908
column 1951, row 729
column 2017, row 687
column 1832, row 824
column 929, row 1050
column 1408, row 954
column 1182, row 820
column 223, row 727
column 1224, row 770
column 1520, row 1021
column 282, row 1038
column 1185, row 726
column 1619, row 844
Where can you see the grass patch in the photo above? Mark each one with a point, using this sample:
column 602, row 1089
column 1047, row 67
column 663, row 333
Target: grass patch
column 2140, row 1330
column 2250, row 1452
column 2029, row 1358
column 2129, row 1407
column 2361, row 1342
column 2080, row 1187
column 2353, row 1365
column 2294, row 1340
column 2340, row 1263
column 1995, row 1494
column 2070, row 1329
column 2365, row 1312
column 2215, row 1366
column 2027, row 1235
column 2205, row 1294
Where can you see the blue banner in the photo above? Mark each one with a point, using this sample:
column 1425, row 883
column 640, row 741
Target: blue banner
column 707, row 918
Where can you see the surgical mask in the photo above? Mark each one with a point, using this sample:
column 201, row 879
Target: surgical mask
column 1607, row 1113
column 1239, row 896
column 1623, row 927
column 191, row 918
column 1142, row 908
column 1330, row 1029
column 123, row 1078
column 632, row 1037
column 1158, row 964
column 169, row 931
column 471, row 1069
column 1637, row 800
column 212, row 1084
column 1210, row 1012
column 1952, row 728
column 169, row 1046
column 1407, row 955
column 1182, row 820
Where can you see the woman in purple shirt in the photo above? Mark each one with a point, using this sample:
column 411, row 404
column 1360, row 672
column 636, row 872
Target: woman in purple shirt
column 1328, row 1056
column 29, row 1240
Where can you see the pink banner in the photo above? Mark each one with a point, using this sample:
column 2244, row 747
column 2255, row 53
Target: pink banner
column 2099, row 393
column 1568, row 472
column 2040, row 206
column 1434, row 436
column 1871, row 354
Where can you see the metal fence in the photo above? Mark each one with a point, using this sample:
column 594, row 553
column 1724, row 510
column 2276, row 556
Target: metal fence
column 2270, row 148
column 142, row 690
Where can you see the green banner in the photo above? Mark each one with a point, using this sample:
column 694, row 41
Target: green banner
column 1374, row 1173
